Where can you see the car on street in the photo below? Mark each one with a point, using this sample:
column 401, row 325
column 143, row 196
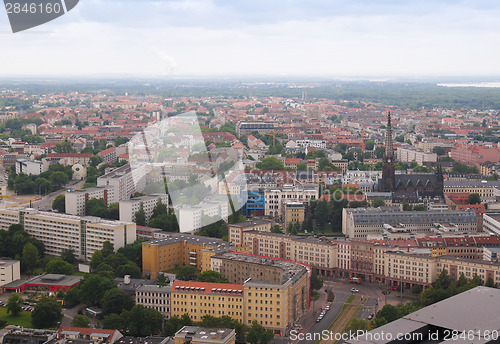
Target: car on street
column 370, row 316
column 327, row 307
column 395, row 287
column 354, row 290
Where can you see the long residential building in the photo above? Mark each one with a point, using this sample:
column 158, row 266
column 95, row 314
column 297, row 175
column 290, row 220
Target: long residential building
column 177, row 250
column 76, row 201
column 487, row 189
column 409, row 154
column 361, row 222
column 128, row 208
column 319, row 253
column 83, row 234
column 154, row 296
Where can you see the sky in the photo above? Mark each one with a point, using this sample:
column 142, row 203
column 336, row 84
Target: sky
column 234, row 38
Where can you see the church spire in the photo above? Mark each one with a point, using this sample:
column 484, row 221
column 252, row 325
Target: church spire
column 389, row 149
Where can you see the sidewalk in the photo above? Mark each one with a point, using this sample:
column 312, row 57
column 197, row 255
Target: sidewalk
column 309, row 318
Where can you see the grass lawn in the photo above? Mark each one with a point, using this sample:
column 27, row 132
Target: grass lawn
column 350, row 298
column 23, row 319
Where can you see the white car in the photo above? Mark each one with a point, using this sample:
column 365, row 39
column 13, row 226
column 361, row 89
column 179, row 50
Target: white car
column 354, row 290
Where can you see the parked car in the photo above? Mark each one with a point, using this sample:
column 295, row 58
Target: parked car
column 370, row 316
column 327, row 307
column 318, row 319
column 395, row 287
column 354, row 290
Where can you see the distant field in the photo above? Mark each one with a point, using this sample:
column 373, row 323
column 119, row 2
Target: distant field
column 23, row 319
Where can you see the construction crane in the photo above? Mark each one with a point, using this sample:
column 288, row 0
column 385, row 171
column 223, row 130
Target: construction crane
column 274, row 138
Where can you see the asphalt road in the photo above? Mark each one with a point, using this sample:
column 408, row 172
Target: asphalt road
column 45, row 203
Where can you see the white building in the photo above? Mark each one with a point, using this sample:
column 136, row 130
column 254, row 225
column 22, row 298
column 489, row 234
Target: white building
column 125, row 180
column 154, row 296
column 491, row 223
column 409, row 154
column 275, row 198
column 193, row 218
column 76, row 200
column 83, row 234
column 128, row 208
column 10, row 270
column 320, row 144
column 29, row 166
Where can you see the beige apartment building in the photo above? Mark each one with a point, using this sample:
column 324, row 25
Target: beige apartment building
column 128, row 208
column 84, row 235
column 236, row 230
column 10, row 270
column 410, row 269
column 154, row 296
column 276, row 198
column 320, row 253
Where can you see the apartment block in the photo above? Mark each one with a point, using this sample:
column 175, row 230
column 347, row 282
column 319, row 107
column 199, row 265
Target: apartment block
column 154, row 296
column 125, row 180
column 8, row 217
column 247, row 127
column 474, row 155
column 410, row 269
column 276, row 290
column 275, row 198
column 178, row 250
column 108, row 155
column 128, row 208
column 84, row 235
column 491, row 223
column 193, row 218
column 29, row 166
column 10, row 270
column 69, row 159
column 200, row 298
column 408, row 155
column 294, row 212
column 76, row 200
column 361, row 222
column 319, row 253
column 236, row 230
column 487, row 189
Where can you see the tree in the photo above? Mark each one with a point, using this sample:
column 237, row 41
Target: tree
column 161, row 280
column 14, row 304
column 113, row 321
column 258, row 335
column 211, row 276
column 95, row 160
column 439, row 150
column 96, row 207
column 72, row 297
column 68, row 255
column 186, row 273
column 59, row 178
column 369, row 144
column 59, row 203
column 443, row 280
column 59, row 266
column 301, row 166
column 474, row 198
column 107, row 249
column 419, row 207
column 142, row 321
column 490, row 282
column 356, row 325
column 270, row 163
column 93, row 288
column 417, row 289
column 129, row 268
column 276, row 229
column 47, row 313
column 461, row 280
column 115, row 301
column 175, row 323
column 316, row 282
column 389, row 313
column 378, row 202
column 140, row 217
column 80, row 320
column 30, row 256
column 159, row 209
column 64, row 147
column 96, row 259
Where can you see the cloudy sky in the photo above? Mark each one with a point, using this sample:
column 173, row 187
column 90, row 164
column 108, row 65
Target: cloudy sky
column 328, row 38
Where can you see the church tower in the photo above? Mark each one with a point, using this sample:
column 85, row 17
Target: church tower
column 388, row 178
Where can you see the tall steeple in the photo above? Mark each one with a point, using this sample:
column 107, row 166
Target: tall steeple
column 389, row 149
column 388, row 177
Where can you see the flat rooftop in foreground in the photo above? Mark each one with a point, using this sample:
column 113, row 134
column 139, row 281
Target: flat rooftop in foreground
column 473, row 312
